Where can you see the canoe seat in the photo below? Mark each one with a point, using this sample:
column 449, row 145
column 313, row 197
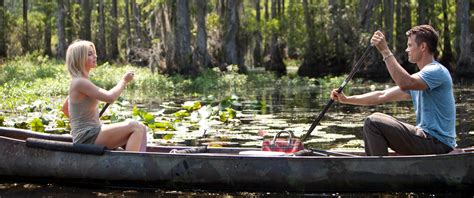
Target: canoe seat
column 65, row 146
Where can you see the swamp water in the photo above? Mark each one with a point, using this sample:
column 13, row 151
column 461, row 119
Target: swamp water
column 285, row 109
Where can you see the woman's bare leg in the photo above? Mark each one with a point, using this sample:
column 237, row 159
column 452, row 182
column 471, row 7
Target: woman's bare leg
column 144, row 141
column 118, row 134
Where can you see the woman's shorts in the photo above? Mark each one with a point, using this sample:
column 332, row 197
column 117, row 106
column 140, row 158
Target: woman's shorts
column 89, row 136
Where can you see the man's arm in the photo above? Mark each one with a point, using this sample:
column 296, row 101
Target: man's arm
column 372, row 98
column 401, row 77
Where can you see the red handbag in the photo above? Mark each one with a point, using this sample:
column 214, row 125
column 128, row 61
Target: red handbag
column 290, row 145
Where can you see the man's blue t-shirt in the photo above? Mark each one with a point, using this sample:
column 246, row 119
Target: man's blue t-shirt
column 434, row 107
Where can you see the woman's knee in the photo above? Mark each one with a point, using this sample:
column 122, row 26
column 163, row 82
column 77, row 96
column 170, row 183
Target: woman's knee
column 136, row 126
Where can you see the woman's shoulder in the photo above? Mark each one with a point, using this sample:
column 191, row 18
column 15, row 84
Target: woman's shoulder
column 80, row 81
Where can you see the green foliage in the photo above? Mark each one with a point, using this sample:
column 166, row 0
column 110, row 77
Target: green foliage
column 146, row 117
column 331, row 82
column 229, row 113
column 21, row 125
column 191, row 105
column 181, row 114
column 37, row 125
column 168, row 136
column 212, row 22
column 228, row 102
column 2, row 120
column 163, row 126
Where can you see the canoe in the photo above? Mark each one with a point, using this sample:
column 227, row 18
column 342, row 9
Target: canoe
column 53, row 158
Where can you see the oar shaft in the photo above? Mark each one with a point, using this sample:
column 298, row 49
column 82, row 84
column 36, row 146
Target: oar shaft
column 339, row 90
column 103, row 109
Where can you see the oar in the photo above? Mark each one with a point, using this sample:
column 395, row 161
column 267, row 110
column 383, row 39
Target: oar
column 331, row 101
column 103, row 109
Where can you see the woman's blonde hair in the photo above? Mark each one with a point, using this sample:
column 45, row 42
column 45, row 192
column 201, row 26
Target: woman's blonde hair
column 76, row 57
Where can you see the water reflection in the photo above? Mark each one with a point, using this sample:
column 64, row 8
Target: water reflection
column 301, row 105
column 57, row 190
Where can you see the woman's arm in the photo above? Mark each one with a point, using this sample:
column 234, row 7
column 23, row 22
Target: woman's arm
column 65, row 108
column 86, row 87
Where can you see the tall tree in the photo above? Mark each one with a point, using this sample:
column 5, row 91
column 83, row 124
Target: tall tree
column 308, row 66
column 388, row 10
column 127, row 26
column 465, row 66
column 47, row 27
column 291, row 40
column 231, row 31
column 366, row 11
column 167, row 11
column 70, row 30
column 25, row 41
column 182, row 57
column 424, row 12
column 447, row 57
column 85, row 32
column 201, row 57
column 101, row 44
column 137, row 22
column 403, row 24
column 275, row 63
column 257, row 52
column 60, row 22
column 3, row 27
column 114, row 32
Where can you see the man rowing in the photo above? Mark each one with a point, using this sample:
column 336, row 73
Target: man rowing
column 430, row 89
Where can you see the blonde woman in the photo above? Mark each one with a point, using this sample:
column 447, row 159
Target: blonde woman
column 81, row 104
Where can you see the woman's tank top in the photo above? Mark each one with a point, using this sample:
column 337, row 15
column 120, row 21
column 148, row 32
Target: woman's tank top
column 83, row 116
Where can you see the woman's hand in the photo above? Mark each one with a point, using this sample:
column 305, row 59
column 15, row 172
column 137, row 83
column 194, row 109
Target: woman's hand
column 128, row 76
column 338, row 97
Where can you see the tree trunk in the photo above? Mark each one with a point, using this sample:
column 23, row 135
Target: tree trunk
column 168, row 13
column 86, row 20
column 114, row 32
column 71, row 32
column 101, row 42
column 47, row 28
column 3, row 27
column 25, row 41
column 257, row 52
column 366, row 10
column 309, row 67
column 182, row 57
column 266, row 15
column 231, row 31
column 201, row 58
column 266, row 41
column 291, row 41
column 127, row 26
column 275, row 64
column 465, row 66
column 137, row 22
column 403, row 25
column 447, row 57
column 388, row 10
column 61, row 48
column 424, row 10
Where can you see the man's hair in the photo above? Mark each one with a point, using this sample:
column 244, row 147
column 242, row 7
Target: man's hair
column 76, row 57
column 427, row 34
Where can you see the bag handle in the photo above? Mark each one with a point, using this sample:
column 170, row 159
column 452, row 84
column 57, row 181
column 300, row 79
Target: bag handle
column 290, row 135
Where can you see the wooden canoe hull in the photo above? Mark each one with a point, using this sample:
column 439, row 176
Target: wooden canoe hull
column 219, row 170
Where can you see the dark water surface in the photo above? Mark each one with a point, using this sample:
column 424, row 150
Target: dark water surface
column 286, row 108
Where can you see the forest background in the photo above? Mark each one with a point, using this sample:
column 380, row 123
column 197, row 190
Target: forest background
column 185, row 37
